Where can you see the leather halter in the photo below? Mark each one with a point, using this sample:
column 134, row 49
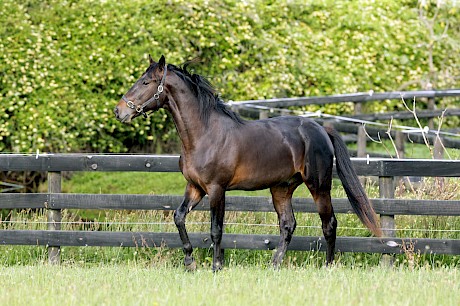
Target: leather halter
column 155, row 97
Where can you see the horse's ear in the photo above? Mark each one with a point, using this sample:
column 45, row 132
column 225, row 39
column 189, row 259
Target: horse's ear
column 162, row 62
column 151, row 60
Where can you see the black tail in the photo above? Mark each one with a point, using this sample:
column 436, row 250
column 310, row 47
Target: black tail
column 355, row 192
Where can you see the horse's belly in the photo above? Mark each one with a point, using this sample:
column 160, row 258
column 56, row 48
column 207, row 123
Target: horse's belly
column 262, row 174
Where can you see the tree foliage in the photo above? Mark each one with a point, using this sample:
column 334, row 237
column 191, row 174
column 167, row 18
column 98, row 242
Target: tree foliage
column 65, row 64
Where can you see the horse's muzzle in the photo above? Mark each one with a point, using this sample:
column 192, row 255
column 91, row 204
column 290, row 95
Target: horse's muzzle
column 123, row 114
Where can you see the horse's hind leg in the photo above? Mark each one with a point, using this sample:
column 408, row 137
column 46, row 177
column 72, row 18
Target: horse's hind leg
column 329, row 222
column 318, row 178
column 282, row 196
column 192, row 197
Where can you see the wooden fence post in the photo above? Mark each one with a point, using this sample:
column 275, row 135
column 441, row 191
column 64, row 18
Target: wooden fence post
column 431, row 105
column 387, row 222
column 400, row 140
column 263, row 114
column 54, row 217
column 361, row 142
column 438, row 149
column 362, row 138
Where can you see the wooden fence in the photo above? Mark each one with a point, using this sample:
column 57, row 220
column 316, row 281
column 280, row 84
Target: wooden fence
column 54, row 201
column 259, row 109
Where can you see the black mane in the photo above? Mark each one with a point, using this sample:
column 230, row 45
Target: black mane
column 208, row 98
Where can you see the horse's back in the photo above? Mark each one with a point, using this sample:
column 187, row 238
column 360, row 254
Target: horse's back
column 315, row 153
column 302, row 134
column 275, row 150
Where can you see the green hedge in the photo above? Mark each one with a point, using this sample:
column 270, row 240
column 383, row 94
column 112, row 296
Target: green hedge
column 65, row 64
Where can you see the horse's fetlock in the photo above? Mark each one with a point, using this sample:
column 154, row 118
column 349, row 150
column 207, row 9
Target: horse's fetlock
column 188, row 248
column 334, row 222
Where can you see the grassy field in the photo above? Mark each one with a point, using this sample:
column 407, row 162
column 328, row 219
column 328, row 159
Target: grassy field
column 128, row 284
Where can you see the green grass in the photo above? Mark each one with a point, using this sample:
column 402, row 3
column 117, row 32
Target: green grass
column 125, row 183
column 130, row 284
column 137, row 183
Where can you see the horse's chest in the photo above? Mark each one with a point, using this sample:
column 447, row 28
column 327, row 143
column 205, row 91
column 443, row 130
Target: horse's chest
column 191, row 170
column 203, row 170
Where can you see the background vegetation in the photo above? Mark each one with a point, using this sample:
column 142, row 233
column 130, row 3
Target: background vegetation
column 65, row 64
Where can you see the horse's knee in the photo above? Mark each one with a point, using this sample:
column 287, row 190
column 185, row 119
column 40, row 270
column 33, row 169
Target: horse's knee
column 179, row 218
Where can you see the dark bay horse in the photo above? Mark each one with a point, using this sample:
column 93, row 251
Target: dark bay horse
column 221, row 152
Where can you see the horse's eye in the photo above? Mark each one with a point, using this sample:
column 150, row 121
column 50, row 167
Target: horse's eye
column 145, row 82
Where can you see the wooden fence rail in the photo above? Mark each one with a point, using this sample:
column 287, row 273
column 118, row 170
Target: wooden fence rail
column 54, row 201
column 376, row 133
column 360, row 97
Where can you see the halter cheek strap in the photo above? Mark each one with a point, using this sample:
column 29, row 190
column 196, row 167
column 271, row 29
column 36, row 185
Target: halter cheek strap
column 155, row 97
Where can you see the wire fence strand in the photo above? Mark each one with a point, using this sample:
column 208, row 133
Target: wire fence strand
column 116, row 223
column 320, row 114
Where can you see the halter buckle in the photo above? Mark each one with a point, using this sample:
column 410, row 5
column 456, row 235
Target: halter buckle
column 130, row 104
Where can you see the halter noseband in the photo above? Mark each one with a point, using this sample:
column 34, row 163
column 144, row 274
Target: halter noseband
column 156, row 96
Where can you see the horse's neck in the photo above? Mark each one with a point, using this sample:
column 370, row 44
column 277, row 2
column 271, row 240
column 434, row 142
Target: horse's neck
column 186, row 116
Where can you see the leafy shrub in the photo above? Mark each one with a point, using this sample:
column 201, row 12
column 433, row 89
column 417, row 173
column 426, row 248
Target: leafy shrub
column 65, row 64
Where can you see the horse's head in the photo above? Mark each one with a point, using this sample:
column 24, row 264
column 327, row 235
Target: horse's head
column 145, row 95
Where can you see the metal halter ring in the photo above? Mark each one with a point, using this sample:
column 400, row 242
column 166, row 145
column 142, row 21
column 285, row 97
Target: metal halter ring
column 130, row 104
column 156, row 96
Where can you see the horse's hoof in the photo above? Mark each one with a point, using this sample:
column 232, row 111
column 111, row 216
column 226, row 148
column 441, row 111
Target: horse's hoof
column 276, row 262
column 191, row 266
column 217, row 266
column 330, row 264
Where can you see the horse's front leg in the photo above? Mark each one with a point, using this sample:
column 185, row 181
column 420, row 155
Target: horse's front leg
column 217, row 204
column 192, row 197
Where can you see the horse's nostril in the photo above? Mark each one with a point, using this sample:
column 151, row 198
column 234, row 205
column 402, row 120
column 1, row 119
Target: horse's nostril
column 115, row 111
